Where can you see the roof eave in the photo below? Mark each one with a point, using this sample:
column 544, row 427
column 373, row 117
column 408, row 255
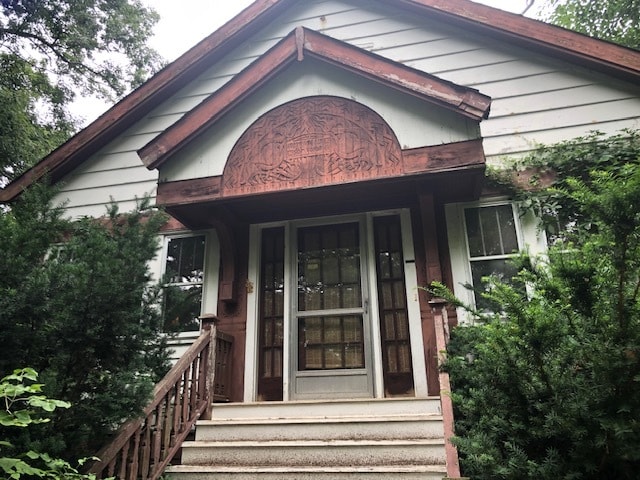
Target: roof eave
column 300, row 44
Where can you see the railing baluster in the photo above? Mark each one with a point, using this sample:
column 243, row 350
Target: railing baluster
column 156, row 438
column 135, row 455
column 124, row 460
column 175, row 416
column 185, row 395
column 193, row 386
column 144, row 447
column 167, row 424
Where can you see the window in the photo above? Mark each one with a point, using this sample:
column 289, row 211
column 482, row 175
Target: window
column 183, row 282
column 492, row 239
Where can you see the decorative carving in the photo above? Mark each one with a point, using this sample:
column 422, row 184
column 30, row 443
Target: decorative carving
column 311, row 142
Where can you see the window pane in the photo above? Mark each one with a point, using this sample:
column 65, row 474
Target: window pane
column 182, row 308
column 329, row 267
column 491, row 231
column 507, row 229
column 474, row 233
column 485, row 268
column 185, row 259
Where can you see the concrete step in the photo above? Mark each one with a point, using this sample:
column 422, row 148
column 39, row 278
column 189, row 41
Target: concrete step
column 379, row 427
column 328, row 408
column 346, row 453
column 400, row 472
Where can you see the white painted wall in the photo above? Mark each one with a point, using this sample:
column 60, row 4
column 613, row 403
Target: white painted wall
column 535, row 99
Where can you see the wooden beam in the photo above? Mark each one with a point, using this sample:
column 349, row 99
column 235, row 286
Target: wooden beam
column 184, row 192
column 462, row 100
column 299, row 45
column 439, row 158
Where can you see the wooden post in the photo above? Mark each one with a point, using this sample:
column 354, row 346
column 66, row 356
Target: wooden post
column 439, row 308
column 209, row 323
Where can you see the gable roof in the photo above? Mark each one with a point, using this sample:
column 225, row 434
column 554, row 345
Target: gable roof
column 555, row 41
column 299, row 45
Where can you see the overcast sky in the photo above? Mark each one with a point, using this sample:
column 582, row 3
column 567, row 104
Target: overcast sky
column 183, row 24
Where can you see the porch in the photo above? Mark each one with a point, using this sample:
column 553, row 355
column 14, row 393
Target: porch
column 185, row 434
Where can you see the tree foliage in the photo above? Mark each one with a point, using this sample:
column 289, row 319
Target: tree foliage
column 75, row 303
column 549, row 386
column 613, row 20
column 50, row 50
column 23, row 404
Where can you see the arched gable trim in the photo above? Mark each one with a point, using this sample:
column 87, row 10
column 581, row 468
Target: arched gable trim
column 310, row 142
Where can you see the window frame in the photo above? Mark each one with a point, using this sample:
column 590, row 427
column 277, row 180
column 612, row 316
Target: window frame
column 483, row 258
column 530, row 238
column 210, row 276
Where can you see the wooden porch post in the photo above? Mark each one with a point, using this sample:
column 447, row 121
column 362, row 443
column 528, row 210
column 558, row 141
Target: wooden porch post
column 209, row 323
column 437, row 332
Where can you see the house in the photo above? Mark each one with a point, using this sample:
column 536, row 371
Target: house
column 322, row 160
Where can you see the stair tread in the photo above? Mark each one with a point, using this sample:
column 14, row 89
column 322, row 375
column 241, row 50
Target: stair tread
column 310, row 443
column 324, row 418
column 327, row 401
column 308, row 469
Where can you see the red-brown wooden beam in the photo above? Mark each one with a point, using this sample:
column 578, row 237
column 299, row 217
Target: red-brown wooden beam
column 295, row 46
column 534, row 35
column 418, row 161
column 462, row 100
column 441, row 158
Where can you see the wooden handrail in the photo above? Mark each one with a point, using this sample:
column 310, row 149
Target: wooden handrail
column 441, row 322
column 144, row 446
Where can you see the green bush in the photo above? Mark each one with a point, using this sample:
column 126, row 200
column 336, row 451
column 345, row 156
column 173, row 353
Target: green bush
column 548, row 387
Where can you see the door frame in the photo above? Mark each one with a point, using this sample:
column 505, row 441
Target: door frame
column 413, row 306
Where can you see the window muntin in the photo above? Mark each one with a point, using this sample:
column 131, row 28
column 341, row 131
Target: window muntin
column 492, row 240
column 184, row 279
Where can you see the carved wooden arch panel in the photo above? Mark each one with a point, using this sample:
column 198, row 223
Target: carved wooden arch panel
column 312, row 141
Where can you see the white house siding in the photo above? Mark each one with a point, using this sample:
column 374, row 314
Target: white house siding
column 535, row 99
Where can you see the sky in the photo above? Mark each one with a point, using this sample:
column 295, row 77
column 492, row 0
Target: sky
column 179, row 29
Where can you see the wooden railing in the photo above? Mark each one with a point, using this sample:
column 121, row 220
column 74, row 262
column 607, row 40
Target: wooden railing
column 440, row 319
column 144, row 447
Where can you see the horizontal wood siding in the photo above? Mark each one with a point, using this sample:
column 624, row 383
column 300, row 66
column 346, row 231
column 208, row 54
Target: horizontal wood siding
column 535, row 99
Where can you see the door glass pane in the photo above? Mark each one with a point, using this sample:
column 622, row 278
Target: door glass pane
column 354, row 356
column 329, row 267
column 271, row 294
column 392, row 304
column 330, row 342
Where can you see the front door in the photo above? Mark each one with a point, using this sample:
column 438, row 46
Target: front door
column 331, row 332
column 333, row 311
